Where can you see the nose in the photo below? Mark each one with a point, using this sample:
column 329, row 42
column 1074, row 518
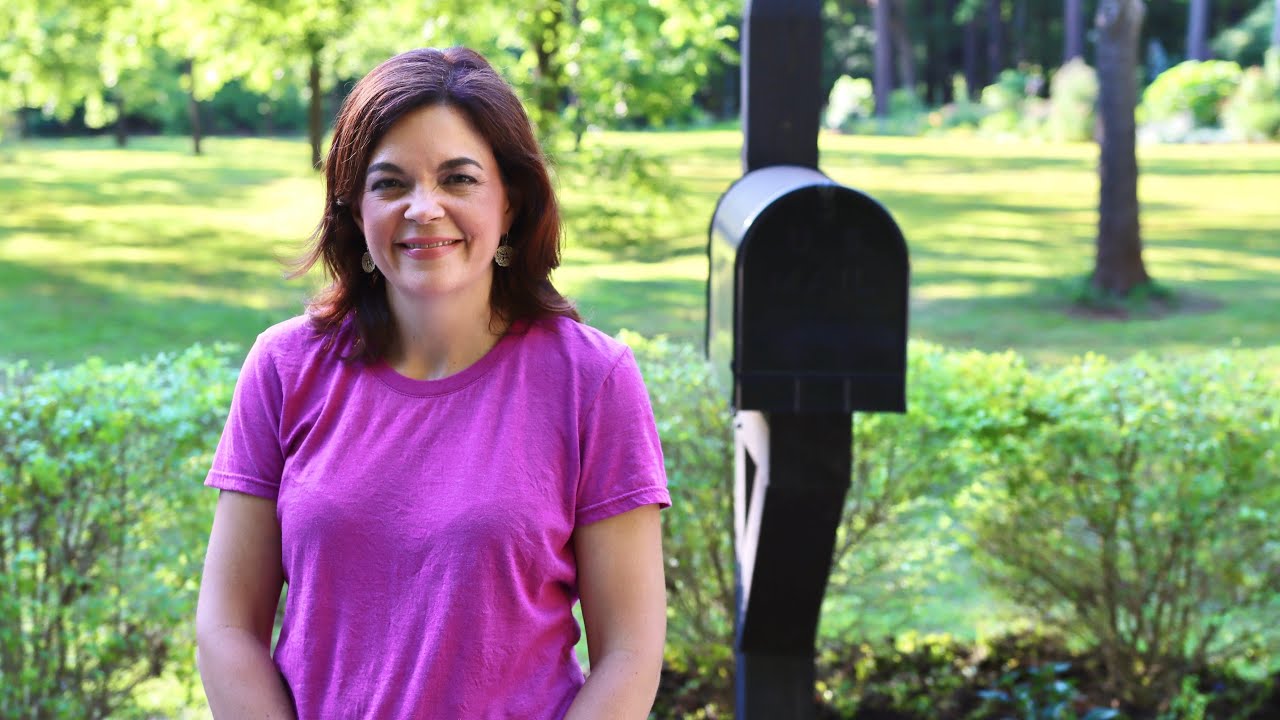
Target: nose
column 424, row 206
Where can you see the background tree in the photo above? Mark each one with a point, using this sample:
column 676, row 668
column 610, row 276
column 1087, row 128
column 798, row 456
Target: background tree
column 1198, row 30
column 1275, row 27
column 1118, row 267
column 883, row 82
column 1073, row 30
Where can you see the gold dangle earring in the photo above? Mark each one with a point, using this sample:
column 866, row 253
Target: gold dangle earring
column 505, row 253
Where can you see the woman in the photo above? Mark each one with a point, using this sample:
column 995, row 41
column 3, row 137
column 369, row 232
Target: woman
column 439, row 458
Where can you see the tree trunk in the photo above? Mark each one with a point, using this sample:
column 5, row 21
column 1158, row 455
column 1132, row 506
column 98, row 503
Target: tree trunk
column 1275, row 29
column 193, row 106
column 1019, row 32
column 549, row 85
column 1118, row 266
column 1198, row 30
column 315, row 112
column 883, row 81
column 1074, row 31
column 995, row 41
column 904, row 49
column 972, row 80
column 122, row 130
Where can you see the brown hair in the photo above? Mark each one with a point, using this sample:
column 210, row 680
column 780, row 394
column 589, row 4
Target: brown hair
column 462, row 79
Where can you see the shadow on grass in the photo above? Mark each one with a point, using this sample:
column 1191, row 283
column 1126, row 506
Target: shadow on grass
column 673, row 307
column 64, row 317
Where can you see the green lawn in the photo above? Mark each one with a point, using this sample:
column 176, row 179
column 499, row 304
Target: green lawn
column 124, row 252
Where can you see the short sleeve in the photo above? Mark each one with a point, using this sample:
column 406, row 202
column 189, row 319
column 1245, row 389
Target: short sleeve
column 622, row 465
column 249, row 458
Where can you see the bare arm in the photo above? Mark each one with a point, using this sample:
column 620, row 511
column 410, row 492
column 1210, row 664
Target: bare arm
column 236, row 612
column 624, row 608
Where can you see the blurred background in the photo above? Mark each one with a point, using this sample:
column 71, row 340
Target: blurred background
column 1076, row 518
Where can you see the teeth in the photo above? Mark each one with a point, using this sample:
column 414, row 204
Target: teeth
column 424, row 246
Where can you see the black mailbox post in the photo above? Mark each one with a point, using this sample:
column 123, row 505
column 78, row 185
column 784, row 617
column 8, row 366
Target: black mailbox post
column 807, row 315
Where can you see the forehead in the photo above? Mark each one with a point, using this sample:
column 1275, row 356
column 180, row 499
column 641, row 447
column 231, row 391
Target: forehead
column 434, row 133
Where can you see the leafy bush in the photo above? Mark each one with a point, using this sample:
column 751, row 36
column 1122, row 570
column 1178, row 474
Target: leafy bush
column 103, row 527
column 1137, row 509
column 894, row 545
column 850, row 99
column 694, row 422
column 1198, row 88
column 1131, row 504
column 1073, row 97
column 1013, row 104
column 1253, row 112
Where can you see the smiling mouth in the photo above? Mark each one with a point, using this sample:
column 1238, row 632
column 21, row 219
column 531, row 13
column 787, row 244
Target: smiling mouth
column 428, row 245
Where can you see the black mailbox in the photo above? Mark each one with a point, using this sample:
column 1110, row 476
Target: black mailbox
column 807, row 299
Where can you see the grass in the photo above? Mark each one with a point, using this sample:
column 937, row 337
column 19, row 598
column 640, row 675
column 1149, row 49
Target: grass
column 119, row 253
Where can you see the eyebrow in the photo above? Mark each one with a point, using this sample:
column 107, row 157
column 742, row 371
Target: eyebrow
column 446, row 165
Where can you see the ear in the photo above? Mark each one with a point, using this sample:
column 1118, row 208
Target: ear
column 513, row 209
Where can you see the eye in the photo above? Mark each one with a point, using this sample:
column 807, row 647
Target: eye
column 385, row 184
column 460, row 179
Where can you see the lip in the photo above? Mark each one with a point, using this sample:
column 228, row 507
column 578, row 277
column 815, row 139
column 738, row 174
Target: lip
column 427, row 248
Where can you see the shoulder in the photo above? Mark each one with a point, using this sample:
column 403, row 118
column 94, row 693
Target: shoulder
column 296, row 343
column 574, row 345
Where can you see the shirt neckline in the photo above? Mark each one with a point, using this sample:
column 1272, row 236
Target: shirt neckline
column 457, row 381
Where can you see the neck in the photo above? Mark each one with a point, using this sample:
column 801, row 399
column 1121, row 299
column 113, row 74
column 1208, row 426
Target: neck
column 441, row 338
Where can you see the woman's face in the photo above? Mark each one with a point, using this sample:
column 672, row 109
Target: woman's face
column 432, row 208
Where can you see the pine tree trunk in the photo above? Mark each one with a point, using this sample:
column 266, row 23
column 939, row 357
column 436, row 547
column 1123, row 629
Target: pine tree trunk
column 122, row 130
column 315, row 112
column 1118, row 266
column 883, row 80
column 1275, row 29
column 904, row 49
column 1019, row 32
column 1073, row 30
column 995, row 41
column 193, row 106
column 972, row 80
column 1198, row 30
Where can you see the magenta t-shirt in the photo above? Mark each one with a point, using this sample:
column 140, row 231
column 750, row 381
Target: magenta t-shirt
column 426, row 526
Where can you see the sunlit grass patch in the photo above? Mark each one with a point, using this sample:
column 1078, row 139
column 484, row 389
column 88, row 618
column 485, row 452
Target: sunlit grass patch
column 123, row 252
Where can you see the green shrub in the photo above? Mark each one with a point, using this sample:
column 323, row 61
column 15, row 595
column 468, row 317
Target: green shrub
column 850, row 99
column 1253, row 112
column 103, row 528
column 1012, row 104
column 1137, row 508
column 694, row 422
column 1073, row 97
column 1198, row 88
column 896, row 543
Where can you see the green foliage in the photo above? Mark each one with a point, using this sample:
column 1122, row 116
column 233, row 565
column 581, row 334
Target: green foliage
column 1246, row 41
column 1073, row 99
column 694, row 423
column 1135, row 505
column 911, row 676
column 625, row 184
column 104, row 521
column 1253, row 112
column 850, row 99
column 896, row 539
column 1039, row 692
column 1198, row 88
column 1188, row 704
column 1012, row 106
